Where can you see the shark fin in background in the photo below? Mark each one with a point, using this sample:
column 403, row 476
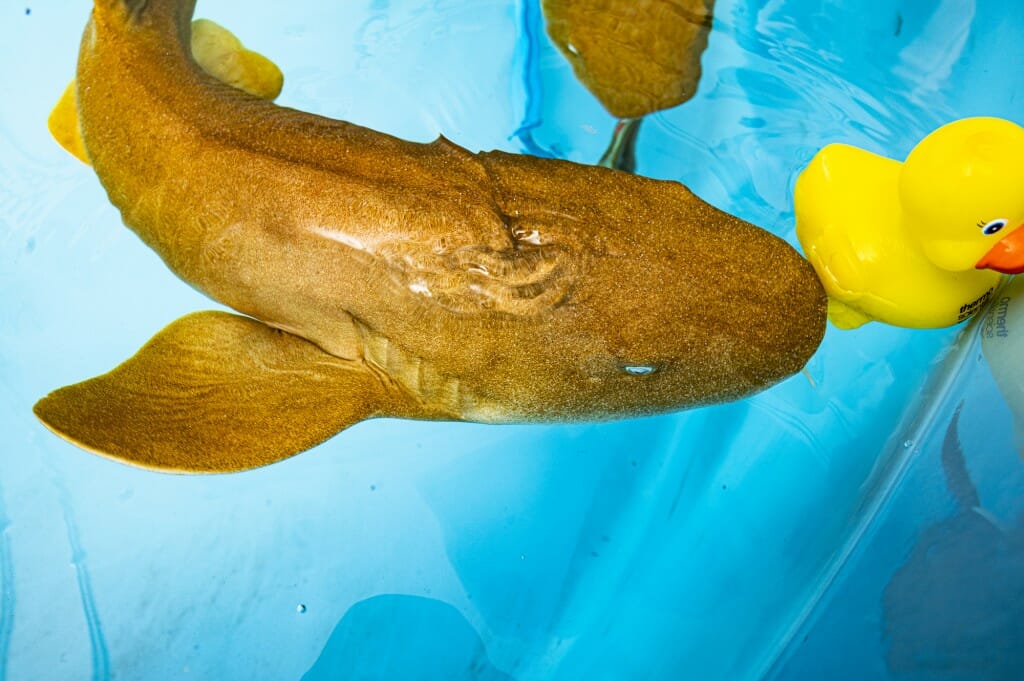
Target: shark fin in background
column 216, row 392
column 216, row 49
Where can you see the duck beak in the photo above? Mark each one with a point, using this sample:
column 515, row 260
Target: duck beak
column 1007, row 256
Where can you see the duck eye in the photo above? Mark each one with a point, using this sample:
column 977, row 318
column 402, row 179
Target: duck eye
column 993, row 226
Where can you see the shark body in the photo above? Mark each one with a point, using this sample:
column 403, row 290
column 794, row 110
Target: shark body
column 381, row 277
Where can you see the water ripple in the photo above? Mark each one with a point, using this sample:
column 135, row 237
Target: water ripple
column 99, row 656
column 528, row 49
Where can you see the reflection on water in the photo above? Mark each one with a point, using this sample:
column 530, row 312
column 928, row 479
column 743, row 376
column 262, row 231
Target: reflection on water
column 934, row 587
column 954, row 610
column 390, row 637
column 1002, row 337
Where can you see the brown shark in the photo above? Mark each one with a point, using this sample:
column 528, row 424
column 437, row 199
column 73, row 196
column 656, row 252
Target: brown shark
column 381, row 277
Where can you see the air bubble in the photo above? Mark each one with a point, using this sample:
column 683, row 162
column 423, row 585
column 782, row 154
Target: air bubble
column 639, row 370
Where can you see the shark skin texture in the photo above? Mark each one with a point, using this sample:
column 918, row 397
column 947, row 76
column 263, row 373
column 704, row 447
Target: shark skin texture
column 377, row 277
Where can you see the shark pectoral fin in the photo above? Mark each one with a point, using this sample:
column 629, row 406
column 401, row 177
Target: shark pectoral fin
column 223, row 56
column 63, row 124
column 214, row 393
column 215, row 49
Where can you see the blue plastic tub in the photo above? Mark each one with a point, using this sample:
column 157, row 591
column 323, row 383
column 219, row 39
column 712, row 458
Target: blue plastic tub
column 861, row 522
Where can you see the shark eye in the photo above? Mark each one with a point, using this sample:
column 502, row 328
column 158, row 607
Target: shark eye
column 992, row 226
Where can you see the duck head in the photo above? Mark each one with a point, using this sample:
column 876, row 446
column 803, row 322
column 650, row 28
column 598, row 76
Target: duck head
column 962, row 191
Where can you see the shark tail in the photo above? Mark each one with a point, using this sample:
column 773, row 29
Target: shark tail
column 138, row 9
column 217, row 51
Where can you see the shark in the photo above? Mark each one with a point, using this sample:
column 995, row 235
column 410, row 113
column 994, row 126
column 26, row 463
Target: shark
column 371, row 276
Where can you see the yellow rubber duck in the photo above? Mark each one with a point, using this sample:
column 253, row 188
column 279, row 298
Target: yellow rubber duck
column 923, row 243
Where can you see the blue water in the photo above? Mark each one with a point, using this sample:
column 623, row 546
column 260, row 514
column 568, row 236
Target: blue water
column 841, row 526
